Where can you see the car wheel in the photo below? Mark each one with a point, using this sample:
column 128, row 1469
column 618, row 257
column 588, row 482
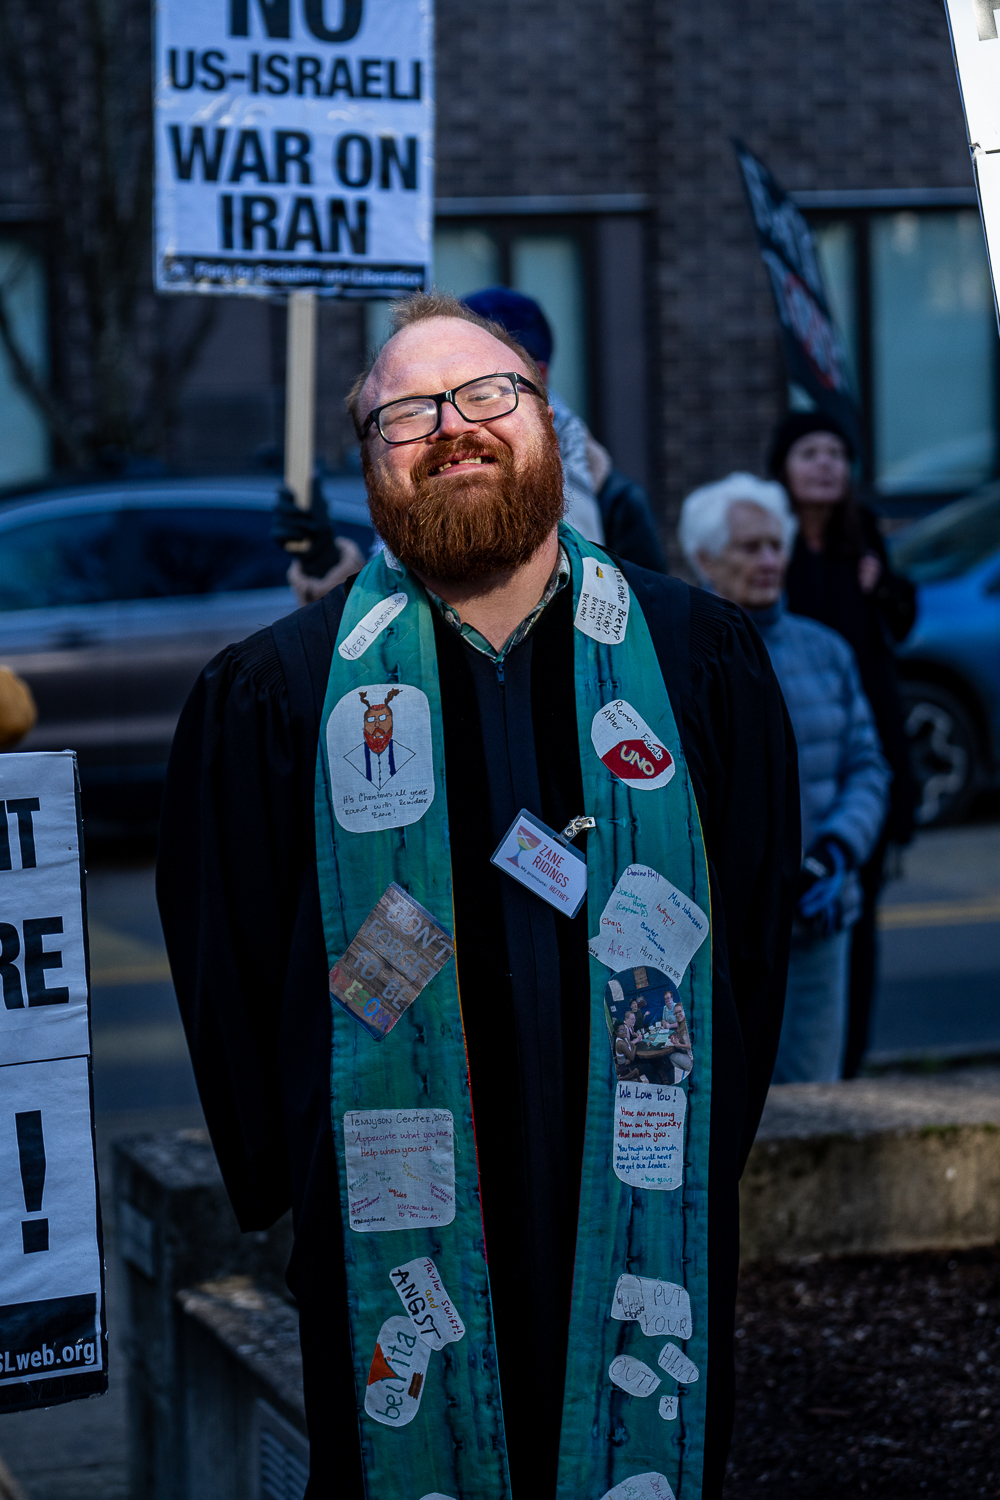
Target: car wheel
column 944, row 752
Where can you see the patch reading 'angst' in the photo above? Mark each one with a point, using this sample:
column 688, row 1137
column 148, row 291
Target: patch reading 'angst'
column 396, row 951
column 422, row 1293
column 378, row 741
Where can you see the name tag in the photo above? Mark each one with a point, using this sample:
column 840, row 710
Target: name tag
column 532, row 853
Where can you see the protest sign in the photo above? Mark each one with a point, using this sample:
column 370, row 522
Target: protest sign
column 294, row 146
column 810, row 344
column 53, row 1339
column 975, row 43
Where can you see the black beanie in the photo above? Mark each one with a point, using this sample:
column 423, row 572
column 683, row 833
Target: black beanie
column 799, row 424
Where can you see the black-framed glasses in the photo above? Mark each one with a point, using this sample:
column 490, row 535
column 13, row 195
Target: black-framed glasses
column 415, row 417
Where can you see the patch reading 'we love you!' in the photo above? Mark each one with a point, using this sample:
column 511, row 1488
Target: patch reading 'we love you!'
column 628, row 747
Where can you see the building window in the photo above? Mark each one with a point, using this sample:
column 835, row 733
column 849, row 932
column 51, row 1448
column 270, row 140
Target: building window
column 587, row 268
column 25, row 449
column 911, row 293
column 545, row 262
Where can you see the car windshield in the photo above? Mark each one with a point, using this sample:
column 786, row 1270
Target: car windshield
column 951, row 541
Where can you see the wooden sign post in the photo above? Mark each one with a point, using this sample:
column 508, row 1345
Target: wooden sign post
column 300, row 396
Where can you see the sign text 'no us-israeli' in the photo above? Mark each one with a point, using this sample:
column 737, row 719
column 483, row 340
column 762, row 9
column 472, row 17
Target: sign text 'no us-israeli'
column 294, row 146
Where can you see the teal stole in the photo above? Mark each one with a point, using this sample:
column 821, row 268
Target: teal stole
column 429, row 1388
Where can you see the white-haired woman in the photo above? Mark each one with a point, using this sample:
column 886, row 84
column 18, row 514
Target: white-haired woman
column 737, row 535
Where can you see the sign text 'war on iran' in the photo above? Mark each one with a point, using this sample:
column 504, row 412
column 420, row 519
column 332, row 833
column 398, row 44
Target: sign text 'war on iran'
column 286, row 136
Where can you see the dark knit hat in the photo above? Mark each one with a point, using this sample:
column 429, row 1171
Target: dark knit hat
column 799, row 424
column 520, row 315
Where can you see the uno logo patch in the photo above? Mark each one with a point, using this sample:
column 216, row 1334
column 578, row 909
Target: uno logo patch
column 634, row 760
column 628, row 747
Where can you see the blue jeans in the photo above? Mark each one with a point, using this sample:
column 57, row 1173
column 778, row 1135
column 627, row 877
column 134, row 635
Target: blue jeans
column 814, row 1030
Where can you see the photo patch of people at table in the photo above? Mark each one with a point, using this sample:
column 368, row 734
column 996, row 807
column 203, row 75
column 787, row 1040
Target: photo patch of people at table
column 647, row 1028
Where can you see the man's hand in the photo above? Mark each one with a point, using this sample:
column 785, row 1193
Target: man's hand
column 307, row 534
column 821, row 883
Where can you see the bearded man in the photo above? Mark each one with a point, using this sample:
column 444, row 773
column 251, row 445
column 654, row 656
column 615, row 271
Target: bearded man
column 600, row 770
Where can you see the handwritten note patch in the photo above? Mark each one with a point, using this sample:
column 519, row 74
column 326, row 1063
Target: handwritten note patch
column 659, row 1307
column 649, row 921
column 641, row 1487
column 422, row 1293
column 630, row 1374
column 677, row 1364
column 628, row 747
column 602, row 612
column 400, row 1168
column 373, row 624
column 649, row 1136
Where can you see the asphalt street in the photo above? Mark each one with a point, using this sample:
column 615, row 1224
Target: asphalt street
column 939, row 998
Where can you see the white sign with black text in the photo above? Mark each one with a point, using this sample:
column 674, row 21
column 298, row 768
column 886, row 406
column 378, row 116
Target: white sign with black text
column 52, row 1328
column 294, row 146
column 975, row 40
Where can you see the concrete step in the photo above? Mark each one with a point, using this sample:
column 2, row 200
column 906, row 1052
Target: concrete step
column 875, row 1165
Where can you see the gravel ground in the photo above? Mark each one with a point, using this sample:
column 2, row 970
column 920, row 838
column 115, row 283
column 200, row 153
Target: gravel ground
column 871, row 1375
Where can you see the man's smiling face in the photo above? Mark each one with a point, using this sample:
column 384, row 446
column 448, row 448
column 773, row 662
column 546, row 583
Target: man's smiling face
column 473, row 499
column 439, row 354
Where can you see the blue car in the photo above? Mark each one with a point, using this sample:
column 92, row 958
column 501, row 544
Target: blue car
column 950, row 662
column 114, row 596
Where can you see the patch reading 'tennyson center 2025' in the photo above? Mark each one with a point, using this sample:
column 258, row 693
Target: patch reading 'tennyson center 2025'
column 397, row 950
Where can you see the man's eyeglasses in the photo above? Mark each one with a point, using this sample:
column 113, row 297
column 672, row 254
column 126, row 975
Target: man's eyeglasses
column 481, row 400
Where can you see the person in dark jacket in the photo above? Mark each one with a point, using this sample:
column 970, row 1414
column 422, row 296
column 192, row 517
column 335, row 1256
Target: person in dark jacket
column 840, row 575
column 625, row 513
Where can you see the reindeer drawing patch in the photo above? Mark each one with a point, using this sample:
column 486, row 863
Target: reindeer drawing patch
column 380, row 757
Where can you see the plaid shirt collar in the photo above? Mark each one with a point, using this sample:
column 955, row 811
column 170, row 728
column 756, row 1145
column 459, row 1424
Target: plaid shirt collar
column 560, row 576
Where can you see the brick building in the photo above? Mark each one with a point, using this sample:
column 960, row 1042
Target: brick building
column 584, row 154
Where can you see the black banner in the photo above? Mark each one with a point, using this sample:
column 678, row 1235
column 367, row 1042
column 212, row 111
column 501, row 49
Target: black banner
column 811, row 346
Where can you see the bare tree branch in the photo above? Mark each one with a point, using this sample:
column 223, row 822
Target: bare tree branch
column 58, row 420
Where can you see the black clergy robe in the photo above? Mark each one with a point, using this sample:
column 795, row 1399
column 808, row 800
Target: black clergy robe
column 239, row 900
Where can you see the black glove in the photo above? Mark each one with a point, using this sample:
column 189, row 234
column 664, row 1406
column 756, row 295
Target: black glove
column 307, row 534
column 821, row 884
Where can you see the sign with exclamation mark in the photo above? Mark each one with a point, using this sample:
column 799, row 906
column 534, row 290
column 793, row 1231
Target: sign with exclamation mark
column 31, row 1149
column 53, row 1339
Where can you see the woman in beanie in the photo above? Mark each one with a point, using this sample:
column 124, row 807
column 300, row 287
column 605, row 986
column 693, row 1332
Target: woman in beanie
column 840, row 575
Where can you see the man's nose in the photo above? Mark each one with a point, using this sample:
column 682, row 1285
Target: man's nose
column 453, row 424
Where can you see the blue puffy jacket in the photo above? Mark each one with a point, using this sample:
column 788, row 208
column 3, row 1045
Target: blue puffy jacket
column 843, row 776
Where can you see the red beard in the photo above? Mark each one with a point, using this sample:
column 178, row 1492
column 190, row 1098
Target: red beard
column 377, row 739
column 473, row 525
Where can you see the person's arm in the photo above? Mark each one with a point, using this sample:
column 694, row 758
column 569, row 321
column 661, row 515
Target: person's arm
column 228, row 876
column 858, row 813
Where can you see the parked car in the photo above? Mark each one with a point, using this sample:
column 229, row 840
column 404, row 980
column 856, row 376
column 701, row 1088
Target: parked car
column 114, row 597
column 950, row 662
